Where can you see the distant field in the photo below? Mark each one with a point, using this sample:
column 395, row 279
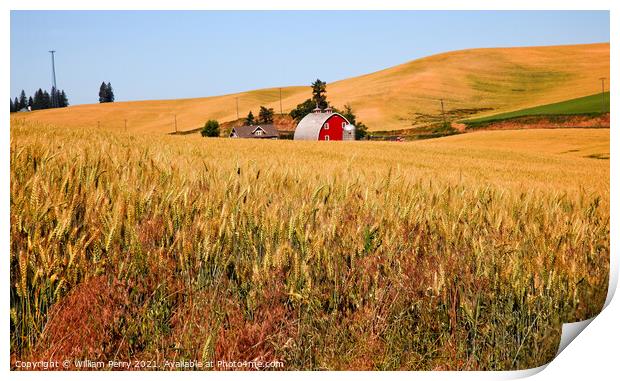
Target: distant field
column 591, row 104
column 465, row 252
column 473, row 82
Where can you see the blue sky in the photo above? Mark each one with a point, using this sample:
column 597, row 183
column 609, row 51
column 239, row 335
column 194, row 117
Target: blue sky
column 174, row 54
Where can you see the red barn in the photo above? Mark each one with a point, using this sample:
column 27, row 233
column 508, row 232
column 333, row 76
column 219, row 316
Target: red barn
column 324, row 125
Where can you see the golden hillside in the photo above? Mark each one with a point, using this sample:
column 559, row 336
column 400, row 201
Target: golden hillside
column 493, row 79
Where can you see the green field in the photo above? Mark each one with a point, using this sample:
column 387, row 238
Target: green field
column 590, row 104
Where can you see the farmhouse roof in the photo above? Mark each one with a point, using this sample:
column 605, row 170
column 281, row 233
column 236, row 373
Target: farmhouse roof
column 310, row 125
column 270, row 131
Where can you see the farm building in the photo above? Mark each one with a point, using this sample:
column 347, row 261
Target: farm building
column 265, row 131
column 324, row 125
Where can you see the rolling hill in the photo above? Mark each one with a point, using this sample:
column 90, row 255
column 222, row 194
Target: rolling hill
column 472, row 82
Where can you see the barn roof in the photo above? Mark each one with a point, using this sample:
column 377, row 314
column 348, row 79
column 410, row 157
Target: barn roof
column 248, row 131
column 310, row 125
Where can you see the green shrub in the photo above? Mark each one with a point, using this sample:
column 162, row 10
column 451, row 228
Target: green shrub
column 211, row 129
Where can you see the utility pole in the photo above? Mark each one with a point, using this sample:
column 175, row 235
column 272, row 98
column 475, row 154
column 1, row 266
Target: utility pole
column 280, row 101
column 443, row 114
column 125, row 125
column 237, row 102
column 602, row 94
column 54, row 89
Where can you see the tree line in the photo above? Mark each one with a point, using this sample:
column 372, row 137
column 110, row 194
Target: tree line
column 40, row 100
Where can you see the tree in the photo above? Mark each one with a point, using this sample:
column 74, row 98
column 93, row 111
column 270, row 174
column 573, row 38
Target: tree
column 265, row 115
column 46, row 101
column 109, row 92
column 63, row 101
column 23, row 101
column 319, row 88
column 361, row 131
column 348, row 113
column 211, row 129
column 106, row 94
column 12, row 105
column 16, row 105
column 249, row 120
column 37, row 102
column 319, row 99
column 103, row 95
column 30, row 102
column 302, row 109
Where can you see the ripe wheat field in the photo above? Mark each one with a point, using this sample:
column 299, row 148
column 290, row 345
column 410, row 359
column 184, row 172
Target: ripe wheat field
column 465, row 252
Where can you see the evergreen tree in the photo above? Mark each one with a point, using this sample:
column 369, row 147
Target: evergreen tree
column 265, row 115
column 45, row 100
column 38, row 99
column 30, row 102
column 319, row 88
column 249, row 121
column 16, row 105
column 109, row 93
column 12, row 105
column 64, row 101
column 103, row 93
column 23, row 101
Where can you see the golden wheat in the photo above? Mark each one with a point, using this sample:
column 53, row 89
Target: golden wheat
column 446, row 254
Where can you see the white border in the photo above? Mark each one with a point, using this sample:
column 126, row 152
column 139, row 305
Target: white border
column 316, row 5
column 591, row 354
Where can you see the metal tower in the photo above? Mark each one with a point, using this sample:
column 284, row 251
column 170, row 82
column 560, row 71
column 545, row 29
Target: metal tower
column 54, row 88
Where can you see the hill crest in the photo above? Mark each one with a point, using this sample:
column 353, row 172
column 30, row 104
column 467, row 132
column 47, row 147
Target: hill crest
column 481, row 81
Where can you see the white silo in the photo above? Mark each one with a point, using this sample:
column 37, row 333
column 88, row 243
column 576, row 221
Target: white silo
column 348, row 132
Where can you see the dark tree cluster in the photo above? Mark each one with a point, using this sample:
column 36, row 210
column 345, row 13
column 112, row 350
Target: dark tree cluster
column 265, row 116
column 106, row 94
column 40, row 100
